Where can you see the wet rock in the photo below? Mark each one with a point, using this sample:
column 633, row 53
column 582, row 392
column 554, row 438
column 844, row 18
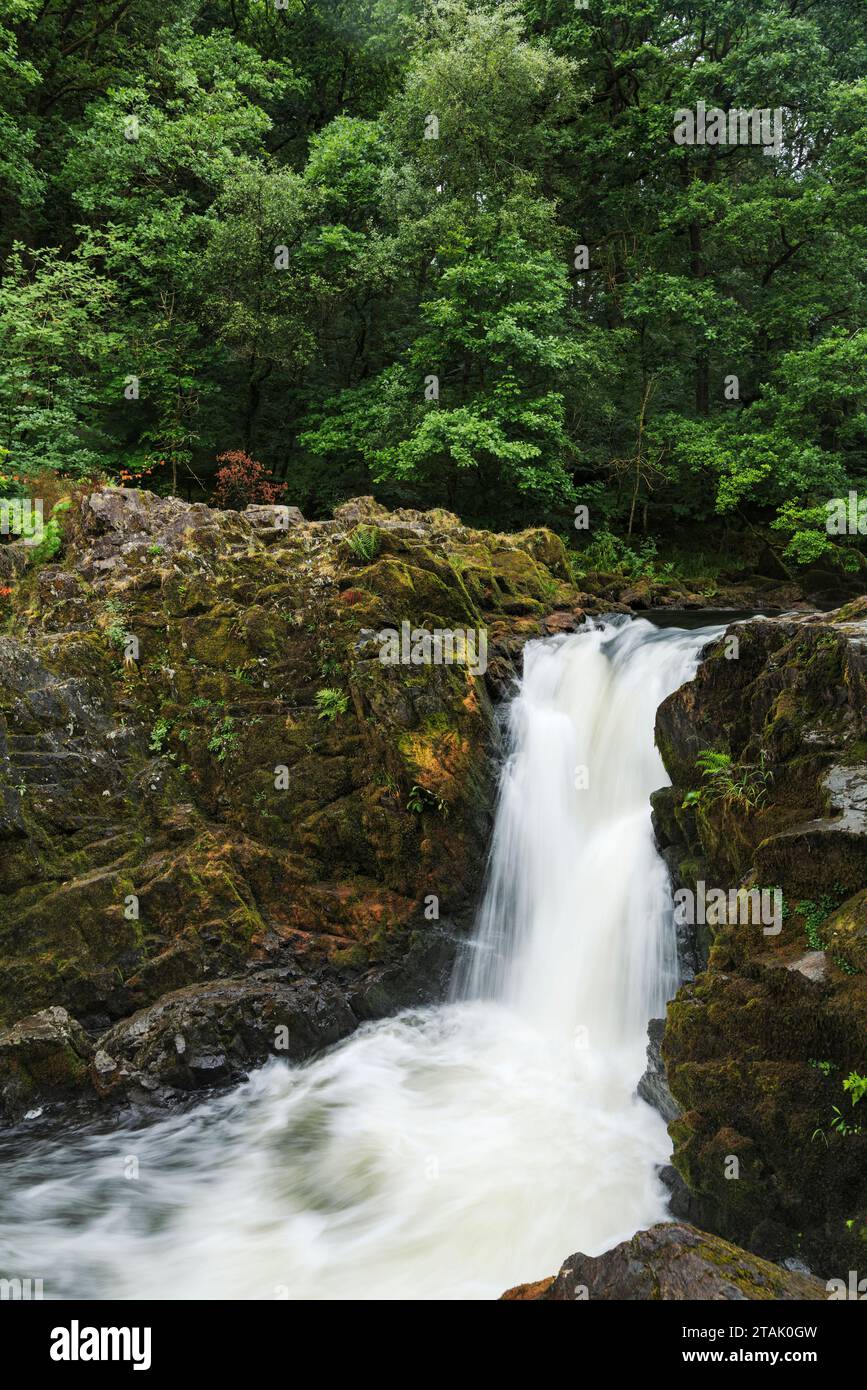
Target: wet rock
column 186, row 813
column 42, row 1058
column 671, row 1262
column 681, row 1203
column 563, row 621
column 211, row 1034
column 653, row 1086
column 756, row 1047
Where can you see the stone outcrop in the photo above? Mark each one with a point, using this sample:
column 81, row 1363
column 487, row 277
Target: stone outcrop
column 220, row 812
column 758, row 1044
column 672, row 1262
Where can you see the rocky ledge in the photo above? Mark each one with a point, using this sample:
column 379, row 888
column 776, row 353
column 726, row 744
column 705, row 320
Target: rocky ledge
column 227, row 829
column 670, row 1261
column 758, row 1044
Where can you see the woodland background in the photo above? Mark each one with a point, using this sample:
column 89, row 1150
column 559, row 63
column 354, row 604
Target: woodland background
column 304, row 127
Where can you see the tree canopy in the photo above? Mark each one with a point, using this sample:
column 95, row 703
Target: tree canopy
column 447, row 251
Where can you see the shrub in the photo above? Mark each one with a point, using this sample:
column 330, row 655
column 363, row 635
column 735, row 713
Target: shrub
column 242, row 482
column 610, row 554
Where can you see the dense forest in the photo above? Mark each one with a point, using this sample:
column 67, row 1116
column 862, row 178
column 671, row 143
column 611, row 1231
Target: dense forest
column 449, row 253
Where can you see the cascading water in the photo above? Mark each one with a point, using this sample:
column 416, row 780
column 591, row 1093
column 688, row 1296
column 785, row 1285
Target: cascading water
column 452, row 1151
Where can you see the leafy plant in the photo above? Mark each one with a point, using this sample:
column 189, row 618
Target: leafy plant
column 610, row 554
column 52, row 534
column 814, row 914
column 824, row 1067
column 159, row 734
column 223, row 740
column 421, row 799
column 735, row 785
column 856, row 1085
column 364, row 542
column 330, row 703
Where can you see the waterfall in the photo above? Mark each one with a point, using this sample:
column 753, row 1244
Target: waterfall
column 575, row 927
column 451, row 1151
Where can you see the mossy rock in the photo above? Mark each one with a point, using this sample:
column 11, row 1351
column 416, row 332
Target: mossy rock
column 845, row 932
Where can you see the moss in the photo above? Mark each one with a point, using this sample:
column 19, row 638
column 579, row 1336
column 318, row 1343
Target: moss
column 226, row 866
column 845, row 932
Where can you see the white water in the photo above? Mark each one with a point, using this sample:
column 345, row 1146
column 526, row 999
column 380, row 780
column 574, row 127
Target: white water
column 449, row 1152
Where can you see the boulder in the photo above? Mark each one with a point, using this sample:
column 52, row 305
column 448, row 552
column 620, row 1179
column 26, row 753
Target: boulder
column 212, row 1034
column 671, row 1262
column 43, row 1058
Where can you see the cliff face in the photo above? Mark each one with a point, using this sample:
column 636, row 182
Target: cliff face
column 758, row 1045
column 223, row 819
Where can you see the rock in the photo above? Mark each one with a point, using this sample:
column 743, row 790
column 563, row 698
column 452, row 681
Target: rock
column 273, row 518
column 44, row 1056
column 211, row 1034
column 359, row 509
column 812, row 966
column 561, row 621
column 671, row 1262
column 637, row 595
column 181, row 814
column 653, row 1086
column 845, row 933
column 757, row 1046
column 681, row 1203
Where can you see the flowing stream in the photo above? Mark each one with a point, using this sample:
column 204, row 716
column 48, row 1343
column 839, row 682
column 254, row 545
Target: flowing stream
column 452, row 1151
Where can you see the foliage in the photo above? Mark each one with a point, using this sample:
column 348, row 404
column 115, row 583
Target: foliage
column 856, row 1086
column 610, row 554
column 330, row 703
column 159, row 734
column 364, row 542
column 225, row 230
column 814, row 914
column 422, row 799
column 224, row 739
column 730, row 783
column 242, row 481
